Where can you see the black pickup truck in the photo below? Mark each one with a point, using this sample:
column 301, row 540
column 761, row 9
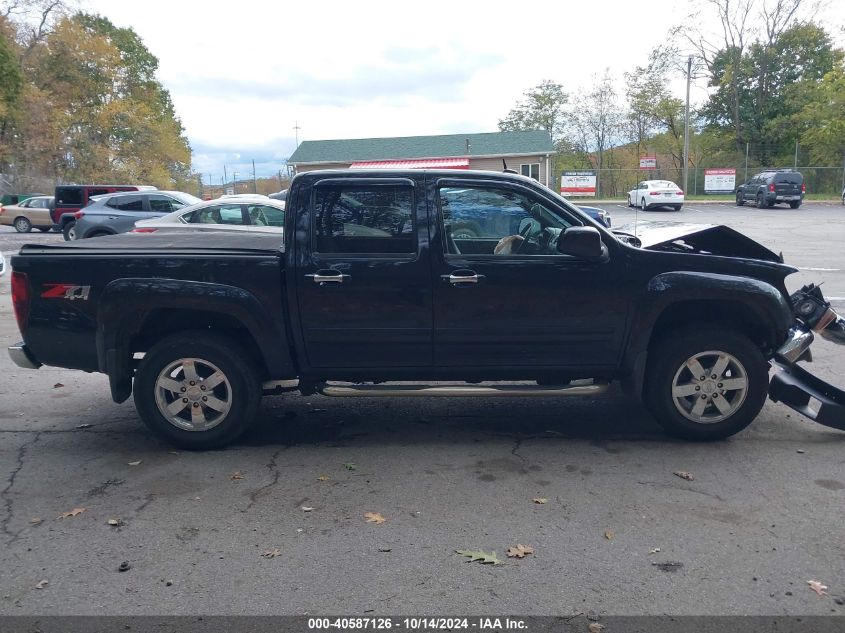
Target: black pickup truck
column 368, row 293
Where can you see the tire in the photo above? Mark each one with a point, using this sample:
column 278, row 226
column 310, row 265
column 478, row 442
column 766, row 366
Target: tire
column 22, row 225
column 69, row 231
column 794, row 204
column 677, row 207
column 761, row 202
column 669, row 377
column 237, row 394
column 740, row 199
column 643, row 205
column 465, row 232
column 97, row 234
column 43, row 229
column 631, row 204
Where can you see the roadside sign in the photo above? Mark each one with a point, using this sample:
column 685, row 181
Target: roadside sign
column 719, row 180
column 648, row 162
column 578, row 183
column 230, row 191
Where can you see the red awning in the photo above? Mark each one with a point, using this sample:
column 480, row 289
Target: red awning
column 425, row 163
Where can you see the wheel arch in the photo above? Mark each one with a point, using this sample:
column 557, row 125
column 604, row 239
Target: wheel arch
column 170, row 306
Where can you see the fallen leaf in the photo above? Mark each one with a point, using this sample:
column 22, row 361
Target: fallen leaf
column 41, row 584
column 71, row 513
column 374, row 517
column 58, row 385
column 519, row 551
column 684, row 475
column 271, row 553
column 322, row 478
column 384, row 549
column 36, row 521
column 800, row 451
column 654, row 550
column 483, row 557
column 595, row 627
column 307, row 508
column 237, row 475
column 173, row 453
column 818, row 587
column 350, row 466
column 540, row 500
column 608, row 534
column 115, row 522
column 134, row 463
column 84, row 426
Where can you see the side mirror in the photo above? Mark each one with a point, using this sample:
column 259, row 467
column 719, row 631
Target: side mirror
column 583, row 242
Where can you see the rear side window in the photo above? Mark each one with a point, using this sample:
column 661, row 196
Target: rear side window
column 264, row 215
column 69, row 196
column 126, row 203
column 374, row 219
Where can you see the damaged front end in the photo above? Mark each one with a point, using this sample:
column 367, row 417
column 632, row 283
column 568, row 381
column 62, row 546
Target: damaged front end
column 794, row 386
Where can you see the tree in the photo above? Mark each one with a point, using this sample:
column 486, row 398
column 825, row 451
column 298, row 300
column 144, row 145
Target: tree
column 823, row 120
column 542, row 109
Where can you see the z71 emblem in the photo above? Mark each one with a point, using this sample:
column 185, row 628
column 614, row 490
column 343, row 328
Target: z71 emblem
column 66, row 291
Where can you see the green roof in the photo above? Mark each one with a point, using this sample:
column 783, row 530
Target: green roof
column 447, row 145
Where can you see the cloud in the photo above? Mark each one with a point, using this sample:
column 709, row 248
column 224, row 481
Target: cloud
column 209, row 159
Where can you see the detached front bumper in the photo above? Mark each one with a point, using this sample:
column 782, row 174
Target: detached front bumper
column 796, row 387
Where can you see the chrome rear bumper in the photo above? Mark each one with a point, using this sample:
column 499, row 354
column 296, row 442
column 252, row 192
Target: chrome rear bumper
column 22, row 357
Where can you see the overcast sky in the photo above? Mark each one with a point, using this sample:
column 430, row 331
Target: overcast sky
column 243, row 74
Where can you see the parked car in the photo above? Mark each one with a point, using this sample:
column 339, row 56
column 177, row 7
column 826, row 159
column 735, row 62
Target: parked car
column 200, row 325
column 117, row 213
column 599, row 215
column 32, row 213
column 71, row 198
column 769, row 188
column 256, row 213
column 651, row 194
column 2, row 265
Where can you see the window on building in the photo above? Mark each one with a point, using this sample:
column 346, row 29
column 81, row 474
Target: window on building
column 532, row 170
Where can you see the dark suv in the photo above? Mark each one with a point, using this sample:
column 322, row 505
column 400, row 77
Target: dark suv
column 770, row 187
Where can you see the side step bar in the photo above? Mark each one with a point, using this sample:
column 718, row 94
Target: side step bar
column 461, row 391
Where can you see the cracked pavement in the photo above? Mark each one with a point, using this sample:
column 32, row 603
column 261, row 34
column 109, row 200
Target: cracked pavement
column 759, row 520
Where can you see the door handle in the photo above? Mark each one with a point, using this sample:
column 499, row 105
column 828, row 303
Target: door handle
column 323, row 277
column 472, row 278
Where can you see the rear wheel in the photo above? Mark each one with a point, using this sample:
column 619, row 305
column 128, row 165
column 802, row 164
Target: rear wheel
column 677, row 207
column 761, row 202
column 706, row 384
column 197, row 390
column 643, row 205
column 795, row 204
column 99, row 234
column 69, row 231
column 43, row 229
column 22, row 225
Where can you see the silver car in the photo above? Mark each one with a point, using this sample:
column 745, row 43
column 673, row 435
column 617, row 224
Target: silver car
column 117, row 212
column 245, row 213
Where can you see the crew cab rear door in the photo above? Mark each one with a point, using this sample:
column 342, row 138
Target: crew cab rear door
column 363, row 279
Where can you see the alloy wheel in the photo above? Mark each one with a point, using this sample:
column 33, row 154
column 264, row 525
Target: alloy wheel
column 709, row 387
column 193, row 394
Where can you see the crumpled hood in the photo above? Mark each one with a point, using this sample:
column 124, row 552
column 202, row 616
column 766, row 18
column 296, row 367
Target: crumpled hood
column 701, row 239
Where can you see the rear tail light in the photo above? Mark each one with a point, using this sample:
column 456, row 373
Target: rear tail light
column 79, row 215
column 21, row 298
column 803, row 189
column 654, row 193
column 772, row 187
column 144, row 230
column 679, row 193
column 1, row 209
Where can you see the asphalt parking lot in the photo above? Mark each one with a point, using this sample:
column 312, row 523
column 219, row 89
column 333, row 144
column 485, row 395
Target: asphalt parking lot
column 618, row 533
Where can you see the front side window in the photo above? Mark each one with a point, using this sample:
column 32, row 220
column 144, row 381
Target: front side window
column 219, row 214
column 265, row 215
column 498, row 221
column 532, row 170
column 376, row 219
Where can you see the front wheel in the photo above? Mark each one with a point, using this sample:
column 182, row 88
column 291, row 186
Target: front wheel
column 22, row 225
column 706, row 384
column 740, row 199
column 197, row 390
column 631, row 204
column 69, row 231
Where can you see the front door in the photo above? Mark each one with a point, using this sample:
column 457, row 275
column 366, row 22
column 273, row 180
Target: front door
column 506, row 298
column 363, row 278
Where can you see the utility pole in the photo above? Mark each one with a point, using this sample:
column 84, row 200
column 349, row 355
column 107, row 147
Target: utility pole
column 686, row 127
column 795, row 166
column 296, row 129
column 746, row 162
column 254, row 181
column 225, row 177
